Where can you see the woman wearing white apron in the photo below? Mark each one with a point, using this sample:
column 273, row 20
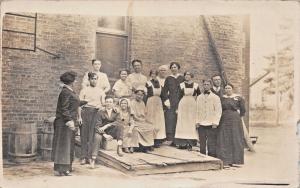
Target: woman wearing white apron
column 186, row 134
column 154, row 108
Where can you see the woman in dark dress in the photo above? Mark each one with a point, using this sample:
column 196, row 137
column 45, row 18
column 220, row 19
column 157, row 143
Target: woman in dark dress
column 64, row 126
column 230, row 142
column 171, row 96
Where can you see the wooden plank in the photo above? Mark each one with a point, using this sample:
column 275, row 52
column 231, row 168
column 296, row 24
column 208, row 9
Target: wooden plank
column 162, row 160
column 188, row 167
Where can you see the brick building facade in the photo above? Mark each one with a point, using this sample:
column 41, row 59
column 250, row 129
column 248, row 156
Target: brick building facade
column 30, row 79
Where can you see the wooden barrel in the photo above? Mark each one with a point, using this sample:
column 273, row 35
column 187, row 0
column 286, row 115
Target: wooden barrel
column 47, row 138
column 22, row 143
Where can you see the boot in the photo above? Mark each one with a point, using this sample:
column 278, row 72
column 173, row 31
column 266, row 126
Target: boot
column 92, row 163
column 119, row 148
column 119, row 151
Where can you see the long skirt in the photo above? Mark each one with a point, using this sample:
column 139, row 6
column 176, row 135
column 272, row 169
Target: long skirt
column 186, row 132
column 130, row 140
column 145, row 133
column 230, row 141
column 155, row 115
column 63, row 146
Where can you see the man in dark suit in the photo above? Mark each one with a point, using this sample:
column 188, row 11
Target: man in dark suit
column 217, row 85
column 109, row 126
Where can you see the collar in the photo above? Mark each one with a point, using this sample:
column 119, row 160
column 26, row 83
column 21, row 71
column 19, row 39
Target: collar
column 175, row 76
column 66, row 86
column 231, row 96
column 216, row 88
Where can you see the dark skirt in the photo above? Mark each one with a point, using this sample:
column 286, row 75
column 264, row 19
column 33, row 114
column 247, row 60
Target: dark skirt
column 170, row 123
column 63, row 146
column 230, row 141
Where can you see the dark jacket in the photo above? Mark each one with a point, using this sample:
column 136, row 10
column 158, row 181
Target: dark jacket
column 64, row 138
column 67, row 105
column 103, row 119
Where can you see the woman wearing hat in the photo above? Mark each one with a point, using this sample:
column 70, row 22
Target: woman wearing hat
column 64, row 126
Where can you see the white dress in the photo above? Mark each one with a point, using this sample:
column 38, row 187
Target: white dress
column 186, row 121
column 155, row 113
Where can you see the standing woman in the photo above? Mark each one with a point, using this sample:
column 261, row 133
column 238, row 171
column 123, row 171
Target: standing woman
column 103, row 83
column 230, row 142
column 64, row 126
column 186, row 134
column 154, row 108
column 171, row 96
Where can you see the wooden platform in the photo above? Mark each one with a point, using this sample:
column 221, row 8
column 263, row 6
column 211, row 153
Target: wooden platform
column 165, row 159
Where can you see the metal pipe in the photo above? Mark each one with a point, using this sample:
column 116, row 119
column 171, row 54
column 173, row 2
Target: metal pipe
column 57, row 56
column 20, row 15
column 13, row 31
column 17, row 48
column 35, row 25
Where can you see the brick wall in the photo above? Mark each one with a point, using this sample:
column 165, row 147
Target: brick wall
column 160, row 40
column 29, row 79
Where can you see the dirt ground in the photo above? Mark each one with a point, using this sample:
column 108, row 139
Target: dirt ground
column 275, row 164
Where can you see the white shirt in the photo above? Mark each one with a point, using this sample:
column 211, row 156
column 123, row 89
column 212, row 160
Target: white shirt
column 161, row 81
column 137, row 80
column 93, row 96
column 209, row 109
column 217, row 89
column 109, row 111
column 102, row 81
column 122, row 88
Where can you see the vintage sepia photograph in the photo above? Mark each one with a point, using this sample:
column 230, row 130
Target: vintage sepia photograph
column 150, row 94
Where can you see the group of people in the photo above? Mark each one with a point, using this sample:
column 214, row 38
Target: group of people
column 142, row 113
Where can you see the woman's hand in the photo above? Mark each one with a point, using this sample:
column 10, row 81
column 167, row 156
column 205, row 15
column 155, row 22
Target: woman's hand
column 71, row 125
column 79, row 121
column 167, row 103
column 102, row 129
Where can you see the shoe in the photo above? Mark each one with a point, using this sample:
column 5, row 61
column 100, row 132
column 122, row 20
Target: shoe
column 131, row 150
column 173, row 144
column 56, row 173
column 226, row 167
column 92, row 163
column 83, row 161
column 67, row 173
column 119, row 151
column 151, row 148
column 126, row 150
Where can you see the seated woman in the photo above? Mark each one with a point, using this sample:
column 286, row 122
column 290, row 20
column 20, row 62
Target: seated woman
column 108, row 126
column 130, row 136
column 144, row 128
